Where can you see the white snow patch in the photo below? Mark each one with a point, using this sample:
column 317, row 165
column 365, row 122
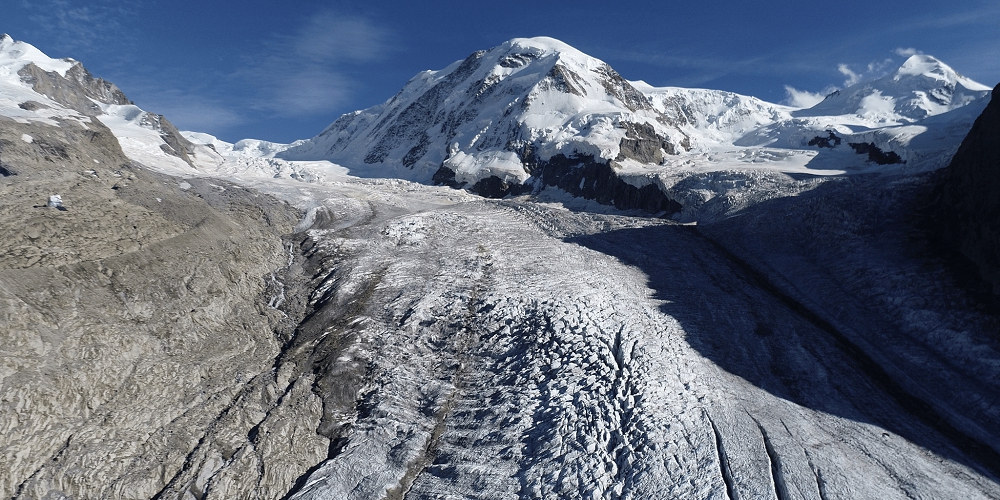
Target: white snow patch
column 27, row 138
column 472, row 168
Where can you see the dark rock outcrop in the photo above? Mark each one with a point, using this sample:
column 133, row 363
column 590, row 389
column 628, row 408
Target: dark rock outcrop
column 830, row 141
column 643, row 144
column 75, row 90
column 875, row 154
column 583, row 176
column 969, row 201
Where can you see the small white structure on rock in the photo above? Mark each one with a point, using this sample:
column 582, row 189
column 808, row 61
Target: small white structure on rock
column 55, row 201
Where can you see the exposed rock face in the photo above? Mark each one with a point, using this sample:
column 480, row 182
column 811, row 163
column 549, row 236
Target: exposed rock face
column 875, row 154
column 176, row 144
column 970, row 195
column 582, row 176
column 75, row 90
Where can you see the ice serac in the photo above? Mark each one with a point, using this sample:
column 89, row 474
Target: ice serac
column 495, row 121
column 970, row 195
column 713, row 117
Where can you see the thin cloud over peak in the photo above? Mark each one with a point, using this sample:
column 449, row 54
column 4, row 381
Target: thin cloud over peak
column 81, row 28
column 332, row 37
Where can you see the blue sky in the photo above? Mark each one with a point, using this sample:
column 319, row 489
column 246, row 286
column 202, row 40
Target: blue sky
column 284, row 70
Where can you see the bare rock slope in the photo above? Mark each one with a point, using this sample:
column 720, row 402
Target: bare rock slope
column 131, row 318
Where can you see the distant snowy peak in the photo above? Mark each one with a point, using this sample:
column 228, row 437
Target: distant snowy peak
column 922, row 87
column 925, row 66
column 249, row 148
column 528, row 99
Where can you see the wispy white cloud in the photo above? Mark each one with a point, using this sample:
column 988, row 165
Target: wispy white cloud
column 906, row 52
column 81, row 27
column 329, row 37
column 985, row 14
column 307, row 72
column 803, row 98
column 852, row 77
column 873, row 70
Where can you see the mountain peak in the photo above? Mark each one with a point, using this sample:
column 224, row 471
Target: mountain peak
column 540, row 42
column 927, row 66
column 497, row 113
column 15, row 55
column 923, row 86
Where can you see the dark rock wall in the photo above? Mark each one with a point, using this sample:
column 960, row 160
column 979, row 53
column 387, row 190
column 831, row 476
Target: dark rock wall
column 969, row 202
column 583, row 176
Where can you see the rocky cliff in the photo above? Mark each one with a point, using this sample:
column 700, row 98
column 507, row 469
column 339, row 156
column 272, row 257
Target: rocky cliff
column 970, row 196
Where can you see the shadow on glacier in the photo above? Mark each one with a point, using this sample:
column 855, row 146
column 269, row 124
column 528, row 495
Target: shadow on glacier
column 734, row 316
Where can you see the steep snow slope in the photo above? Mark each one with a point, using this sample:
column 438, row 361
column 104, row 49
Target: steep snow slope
column 495, row 112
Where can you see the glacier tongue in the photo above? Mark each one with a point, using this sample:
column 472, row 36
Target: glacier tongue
column 605, row 357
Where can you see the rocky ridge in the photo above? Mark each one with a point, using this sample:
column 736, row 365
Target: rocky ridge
column 132, row 317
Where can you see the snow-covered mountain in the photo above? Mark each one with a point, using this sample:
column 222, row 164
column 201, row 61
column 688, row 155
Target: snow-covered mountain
column 497, row 113
column 536, row 112
column 406, row 340
column 922, row 87
column 917, row 116
column 37, row 88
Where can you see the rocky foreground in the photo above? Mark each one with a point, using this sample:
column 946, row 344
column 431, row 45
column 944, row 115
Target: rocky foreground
column 132, row 317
